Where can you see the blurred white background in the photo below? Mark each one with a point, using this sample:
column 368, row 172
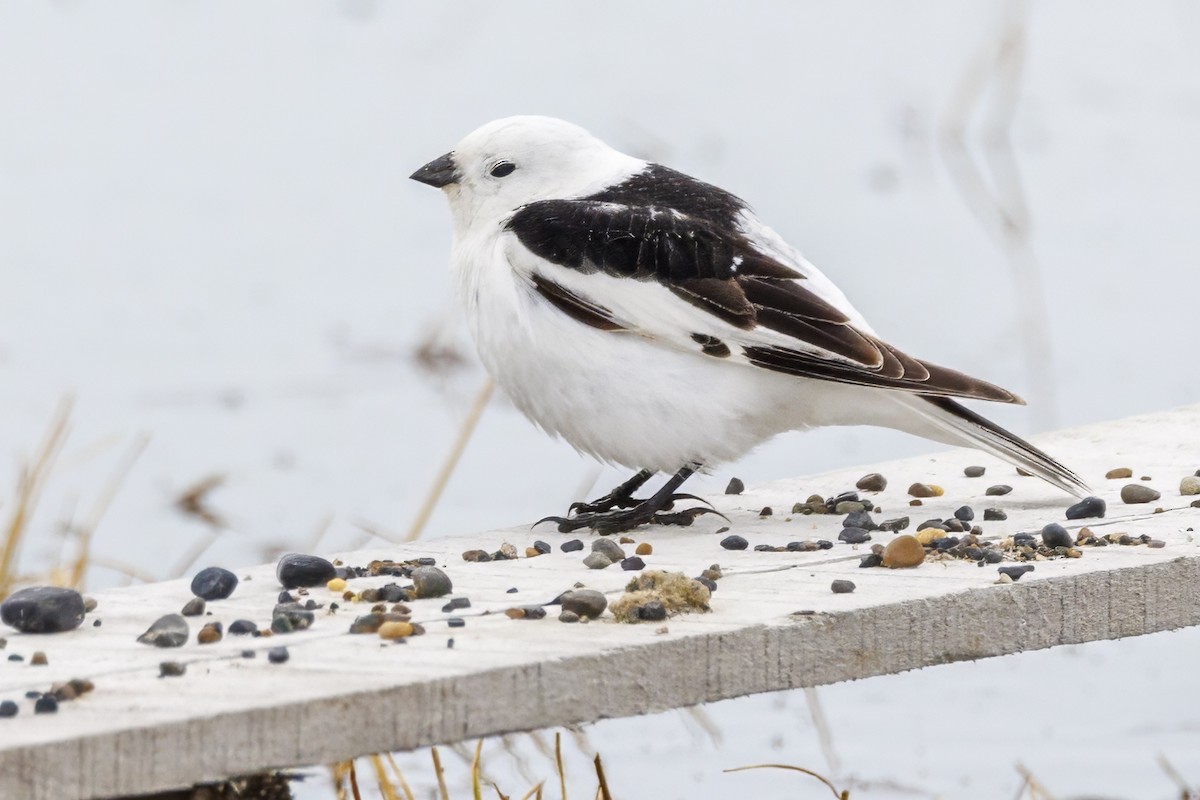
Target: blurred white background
column 207, row 238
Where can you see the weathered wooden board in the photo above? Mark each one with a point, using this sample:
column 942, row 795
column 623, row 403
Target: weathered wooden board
column 774, row 625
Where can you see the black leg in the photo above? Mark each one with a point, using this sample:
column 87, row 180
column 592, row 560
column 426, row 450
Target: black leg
column 650, row 510
column 620, row 497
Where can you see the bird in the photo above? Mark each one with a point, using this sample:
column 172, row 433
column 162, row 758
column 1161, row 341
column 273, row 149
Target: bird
column 652, row 321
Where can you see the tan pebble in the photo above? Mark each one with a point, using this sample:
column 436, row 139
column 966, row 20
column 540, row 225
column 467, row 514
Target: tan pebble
column 1071, row 552
column 508, row 550
column 1083, row 535
column 1004, row 578
column 349, row 596
column 1137, row 493
column 915, row 503
column 625, row 540
column 928, row 536
column 395, row 630
column 209, row 633
column 1156, row 543
column 38, row 659
column 515, row 613
column 1119, row 472
column 921, row 490
column 1189, row 485
column 1145, row 478
column 644, row 549
column 937, row 490
column 903, row 551
column 336, row 585
column 531, row 552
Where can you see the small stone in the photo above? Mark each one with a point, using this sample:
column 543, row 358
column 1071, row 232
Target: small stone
column 625, row 540
column 1133, row 493
column 89, row 604
column 898, row 524
column 609, row 548
column 633, row 564
column 429, row 582
column 1055, row 535
column 597, row 561
column 455, row 604
column 170, row 630
column 38, row 659
column 1189, row 485
column 395, row 630
column 571, row 545
column 278, row 655
column 212, row 632
column 1015, row 571
column 1118, row 473
column 214, row 583
column 915, row 502
column 927, row 536
column 1087, row 507
column 171, row 669
column 854, row 536
column 644, row 549
column 507, row 551
column 242, row 627
column 870, row 560
column 860, row 519
column 584, row 602
column 964, row 513
column 998, row 490
column 974, row 472
column 994, row 515
column 8, row 708
column 511, row 590
column 336, row 585
column 652, row 611
column 735, row 486
column 571, row 616
column 46, row 704
column 766, row 511
column 476, row 555
column 1156, row 543
column 298, row 569
column 842, row 586
column 531, row 552
column 921, row 490
column 850, row 507
column 872, row 482
column 289, row 617
column 193, row 608
column 43, row 609
column 734, row 542
column 456, row 622
column 992, row 556
column 903, row 551
column 542, row 547
column 515, row 613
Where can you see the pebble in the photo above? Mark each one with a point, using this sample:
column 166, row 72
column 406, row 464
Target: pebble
column 212, row 632
column 870, row 560
column 898, row 524
column 38, row 659
column 171, row 669
column 336, row 585
column 170, row 630
column 766, row 511
column 8, row 708
column 927, row 536
column 1087, row 507
column 1133, row 493
column 633, row 564
column 1015, row 571
column 585, row 602
column 479, row 555
column 297, row 569
column 644, row 549
column 278, row 655
column 571, row 545
column 609, row 548
column 652, row 611
column 1189, row 485
column 625, row 540
column 994, row 515
column 241, row 627
column 288, row 617
column 992, row 556
column 998, row 490
column 571, row 616
column 735, row 486
column 922, row 490
column 734, row 542
column 456, row 622
column 872, row 482
column 850, row 507
column 974, row 472
column 526, row 612
column 541, row 547
column 1055, row 535
column 214, row 583
column 903, row 551
column 395, row 630
column 597, row 561
column 46, row 704
column 429, row 582
column 193, row 608
column 43, row 609
column 854, row 536
column 842, row 586
column 1156, row 543
column 1118, row 473
column 915, row 502
column 964, row 513
column 860, row 519
column 456, row 603
column 511, row 590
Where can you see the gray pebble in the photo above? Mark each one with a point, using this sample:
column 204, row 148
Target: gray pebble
column 298, row 569
column 1087, row 507
column 193, row 607
column 734, row 542
column 584, row 602
column 994, row 515
column 171, row 669
column 8, row 708
column 1189, row 485
column 897, row 524
column 998, row 490
column 854, row 536
column 1015, row 571
column 278, row 655
column 1055, row 535
column 571, row 545
column 568, row 616
column 43, row 609
column 430, row 582
column 609, row 548
column 652, row 611
column 842, row 586
column 964, row 513
column 974, row 472
column 735, row 486
column 167, row 631
column 214, row 583
column 597, row 561
column 633, row 564
column 1137, row 493
column 859, row 519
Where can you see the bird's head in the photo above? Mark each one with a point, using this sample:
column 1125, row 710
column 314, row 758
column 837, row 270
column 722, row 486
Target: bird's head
column 514, row 161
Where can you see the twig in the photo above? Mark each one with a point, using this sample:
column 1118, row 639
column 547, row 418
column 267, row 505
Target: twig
column 353, row 773
column 562, row 776
column 476, row 789
column 381, row 778
column 1036, row 790
column 408, row 795
column 443, row 792
column 845, row 795
column 447, row 469
column 821, row 723
column 600, row 777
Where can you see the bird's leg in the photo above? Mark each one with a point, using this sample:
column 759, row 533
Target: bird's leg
column 620, row 497
column 648, row 511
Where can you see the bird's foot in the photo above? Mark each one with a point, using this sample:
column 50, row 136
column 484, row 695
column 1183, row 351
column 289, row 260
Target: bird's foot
column 606, row 503
column 624, row 519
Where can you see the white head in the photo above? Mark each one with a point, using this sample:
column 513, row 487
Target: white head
column 517, row 160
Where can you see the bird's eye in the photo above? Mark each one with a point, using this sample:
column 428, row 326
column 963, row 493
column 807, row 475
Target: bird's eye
column 503, row 168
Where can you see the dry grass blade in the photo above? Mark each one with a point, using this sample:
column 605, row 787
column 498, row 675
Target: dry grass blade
column 353, row 773
column 535, row 792
column 562, row 776
column 386, row 788
column 1036, row 790
column 443, row 792
column 447, row 469
column 85, row 531
column 408, row 795
column 476, row 789
column 194, row 500
column 30, row 480
column 337, row 773
column 839, row 795
column 603, row 788
column 821, row 723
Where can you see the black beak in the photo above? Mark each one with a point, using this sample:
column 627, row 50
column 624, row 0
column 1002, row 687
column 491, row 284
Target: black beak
column 439, row 173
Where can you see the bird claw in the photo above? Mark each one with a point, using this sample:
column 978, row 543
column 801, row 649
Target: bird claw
column 622, row 520
column 602, row 504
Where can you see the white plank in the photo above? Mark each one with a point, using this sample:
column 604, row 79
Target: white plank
column 342, row 695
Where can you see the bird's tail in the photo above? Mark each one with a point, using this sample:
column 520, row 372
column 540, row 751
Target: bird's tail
column 963, row 426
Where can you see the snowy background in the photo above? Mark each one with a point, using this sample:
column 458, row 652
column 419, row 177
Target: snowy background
column 207, row 239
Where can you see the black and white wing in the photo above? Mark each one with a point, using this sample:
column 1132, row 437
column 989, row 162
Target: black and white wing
column 671, row 258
